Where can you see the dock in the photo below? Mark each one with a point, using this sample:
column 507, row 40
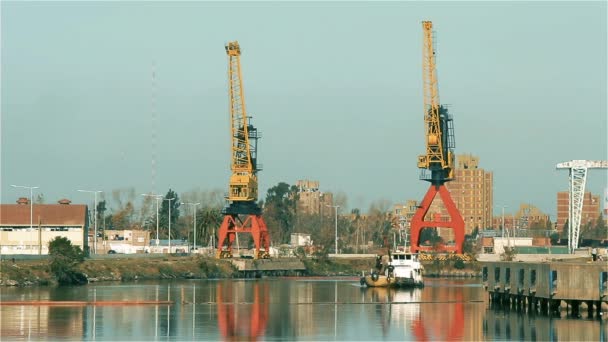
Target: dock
column 546, row 287
column 269, row 267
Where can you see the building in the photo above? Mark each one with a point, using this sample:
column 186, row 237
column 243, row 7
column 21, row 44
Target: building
column 591, row 208
column 300, row 239
column 125, row 241
column 313, row 201
column 528, row 221
column 472, row 192
column 404, row 212
column 21, row 233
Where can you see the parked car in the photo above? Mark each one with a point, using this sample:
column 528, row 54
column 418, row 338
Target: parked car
column 111, row 251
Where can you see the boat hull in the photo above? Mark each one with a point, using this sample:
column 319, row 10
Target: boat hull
column 384, row 281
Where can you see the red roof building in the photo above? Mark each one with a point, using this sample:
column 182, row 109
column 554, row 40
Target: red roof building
column 26, row 229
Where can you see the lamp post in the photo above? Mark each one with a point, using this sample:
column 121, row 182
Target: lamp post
column 194, row 225
column 169, row 199
column 503, row 224
column 157, row 197
column 31, row 202
column 95, row 192
column 336, row 225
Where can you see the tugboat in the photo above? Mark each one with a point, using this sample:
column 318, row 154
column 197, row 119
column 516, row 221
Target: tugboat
column 403, row 269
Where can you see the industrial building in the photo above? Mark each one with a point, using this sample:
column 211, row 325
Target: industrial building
column 27, row 229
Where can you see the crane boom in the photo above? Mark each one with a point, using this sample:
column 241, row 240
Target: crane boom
column 243, row 182
column 439, row 157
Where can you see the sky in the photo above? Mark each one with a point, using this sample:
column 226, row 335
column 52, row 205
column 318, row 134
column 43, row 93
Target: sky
column 334, row 88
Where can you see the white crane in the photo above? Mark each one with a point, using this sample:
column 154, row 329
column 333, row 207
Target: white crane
column 576, row 192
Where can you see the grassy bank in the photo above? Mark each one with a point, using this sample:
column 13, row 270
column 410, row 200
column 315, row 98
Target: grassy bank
column 36, row 272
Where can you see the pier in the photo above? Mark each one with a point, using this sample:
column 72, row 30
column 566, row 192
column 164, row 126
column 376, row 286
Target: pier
column 269, row 267
column 546, row 287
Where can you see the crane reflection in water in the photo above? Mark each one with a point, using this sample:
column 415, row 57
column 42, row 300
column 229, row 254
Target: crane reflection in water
column 238, row 319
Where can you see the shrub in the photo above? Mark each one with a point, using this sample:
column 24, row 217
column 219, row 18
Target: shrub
column 64, row 257
column 459, row 264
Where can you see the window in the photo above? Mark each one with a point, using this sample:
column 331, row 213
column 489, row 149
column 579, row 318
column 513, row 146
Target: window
column 532, row 277
column 554, row 279
column 520, row 279
column 508, row 275
column 497, row 274
column 484, row 274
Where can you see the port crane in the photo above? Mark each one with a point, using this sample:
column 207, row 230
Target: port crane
column 437, row 163
column 576, row 192
column 241, row 214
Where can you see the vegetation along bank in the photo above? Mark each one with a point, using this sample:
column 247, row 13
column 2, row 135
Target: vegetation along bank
column 47, row 272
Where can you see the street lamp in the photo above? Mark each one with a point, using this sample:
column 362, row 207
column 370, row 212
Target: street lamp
column 95, row 214
column 336, row 225
column 503, row 224
column 194, row 225
column 157, row 197
column 31, row 202
column 169, row 199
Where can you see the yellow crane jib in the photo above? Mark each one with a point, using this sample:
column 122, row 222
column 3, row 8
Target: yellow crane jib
column 439, row 156
column 243, row 184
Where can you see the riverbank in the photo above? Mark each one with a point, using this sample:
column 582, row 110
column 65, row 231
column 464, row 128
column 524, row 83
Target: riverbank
column 37, row 273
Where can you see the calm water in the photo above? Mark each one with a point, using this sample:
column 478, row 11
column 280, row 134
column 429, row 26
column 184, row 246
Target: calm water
column 281, row 309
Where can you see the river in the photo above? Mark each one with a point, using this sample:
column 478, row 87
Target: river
column 280, row 309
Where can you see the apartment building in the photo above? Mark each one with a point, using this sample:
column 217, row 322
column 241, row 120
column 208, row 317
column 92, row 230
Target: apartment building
column 591, row 208
column 472, row 192
column 312, row 200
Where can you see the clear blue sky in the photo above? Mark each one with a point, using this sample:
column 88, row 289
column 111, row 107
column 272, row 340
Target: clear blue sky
column 336, row 90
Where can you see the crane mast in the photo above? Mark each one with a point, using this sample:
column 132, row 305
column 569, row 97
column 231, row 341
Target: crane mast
column 243, row 185
column 438, row 161
column 241, row 214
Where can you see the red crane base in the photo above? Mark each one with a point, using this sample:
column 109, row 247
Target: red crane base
column 456, row 222
column 253, row 224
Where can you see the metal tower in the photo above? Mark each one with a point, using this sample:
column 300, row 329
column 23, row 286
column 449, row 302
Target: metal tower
column 576, row 192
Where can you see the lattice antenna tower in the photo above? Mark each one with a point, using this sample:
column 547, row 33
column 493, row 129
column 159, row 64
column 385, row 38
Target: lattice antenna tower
column 153, row 134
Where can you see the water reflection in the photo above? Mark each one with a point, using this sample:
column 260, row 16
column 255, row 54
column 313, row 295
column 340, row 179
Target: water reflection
column 282, row 309
column 237, row 318
column 394, row 307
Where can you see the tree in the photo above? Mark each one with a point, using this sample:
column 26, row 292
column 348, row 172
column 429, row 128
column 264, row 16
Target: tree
column 208, row 220
column 122, row 219
column 163, row 215
column 600, row 230
column 101, row 209
column 64, row 258
column 280, row 211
